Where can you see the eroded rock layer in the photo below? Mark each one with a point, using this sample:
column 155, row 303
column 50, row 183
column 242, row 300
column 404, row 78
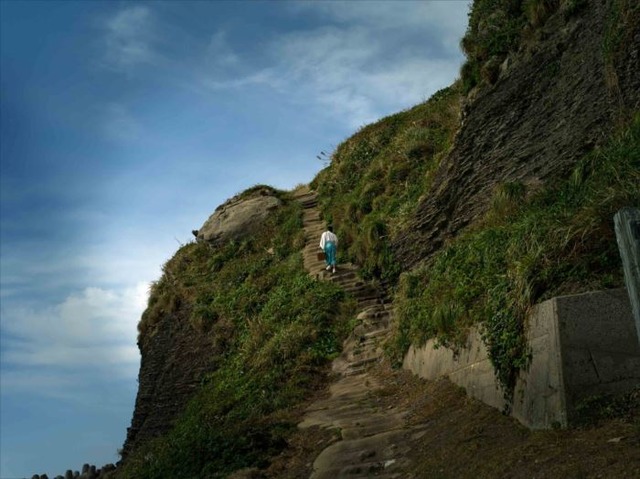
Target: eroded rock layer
column 554, row 101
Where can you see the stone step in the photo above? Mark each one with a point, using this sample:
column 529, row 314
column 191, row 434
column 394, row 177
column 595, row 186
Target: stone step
column 363, row 362
column 367, row 470
column 371, row 425
column 365, row 349
column 375, row 311
column 362, row 329
column 355, row 372
column 366, row 295
column 373, row 442
column 378, row 333
column 371, row 324
column 365, row 302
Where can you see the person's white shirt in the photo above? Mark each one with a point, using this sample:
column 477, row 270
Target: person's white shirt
column 326, row 237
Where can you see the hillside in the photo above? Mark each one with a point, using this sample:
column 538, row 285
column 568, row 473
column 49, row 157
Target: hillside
column 494, row 194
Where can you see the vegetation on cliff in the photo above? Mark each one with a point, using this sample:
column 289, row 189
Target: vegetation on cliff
column 278, row 328
column 532, row 245
column 537, row 240
column 500, row 27
column 377, row 177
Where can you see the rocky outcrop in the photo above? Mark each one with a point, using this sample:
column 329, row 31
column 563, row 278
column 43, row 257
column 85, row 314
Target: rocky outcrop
column 175, row 356
column 553, row 102
column 239, row 216
column 174, row 359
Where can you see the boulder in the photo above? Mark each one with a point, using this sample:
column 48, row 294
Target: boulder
column 239, row 216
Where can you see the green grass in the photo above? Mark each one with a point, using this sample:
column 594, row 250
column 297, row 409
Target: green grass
column 494, row 30
column 377, row 176
column 277, row 328
column 499, row 27
column 530, row 247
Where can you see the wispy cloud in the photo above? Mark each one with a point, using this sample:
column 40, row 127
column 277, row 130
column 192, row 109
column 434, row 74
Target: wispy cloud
column 219, row 52
column 90, row 331
column 129, row 37
column 362, row 64
column 439, row 19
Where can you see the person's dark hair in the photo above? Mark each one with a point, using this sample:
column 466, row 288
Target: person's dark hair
column 330, row 228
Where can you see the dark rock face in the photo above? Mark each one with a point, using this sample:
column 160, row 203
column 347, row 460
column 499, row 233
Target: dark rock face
column 551, row 105
column 175, row 357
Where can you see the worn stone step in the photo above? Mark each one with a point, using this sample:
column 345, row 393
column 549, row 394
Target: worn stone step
column 368, row 326
column 363, row 362
column 363, row 303
column 373, row 440
column 376, row 334
column 371, row 426
column 351, row 459
column 375, row 311
column 369, row 349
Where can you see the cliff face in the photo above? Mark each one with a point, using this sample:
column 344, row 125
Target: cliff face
column 175, row 358
column 176, row 351
column 554, row 101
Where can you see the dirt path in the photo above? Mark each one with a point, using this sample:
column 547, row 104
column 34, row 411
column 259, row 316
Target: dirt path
column 374, row 438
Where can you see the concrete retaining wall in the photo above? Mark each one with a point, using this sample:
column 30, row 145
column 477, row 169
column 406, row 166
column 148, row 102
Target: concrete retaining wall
column 581, row 345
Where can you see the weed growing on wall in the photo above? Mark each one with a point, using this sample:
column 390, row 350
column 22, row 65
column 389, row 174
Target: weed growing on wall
column 529, row 248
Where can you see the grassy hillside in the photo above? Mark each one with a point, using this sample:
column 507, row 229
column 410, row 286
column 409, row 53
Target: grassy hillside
column 532, row 245
column 377, row 176
column 498, row 28
column 278, row 329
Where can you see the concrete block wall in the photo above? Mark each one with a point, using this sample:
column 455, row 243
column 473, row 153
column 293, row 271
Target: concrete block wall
column 581, row 345
column 627, row 226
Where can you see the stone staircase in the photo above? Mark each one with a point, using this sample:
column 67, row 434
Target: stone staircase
column 374, row 440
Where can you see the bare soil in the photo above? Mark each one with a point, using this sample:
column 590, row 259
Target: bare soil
column 468, row 439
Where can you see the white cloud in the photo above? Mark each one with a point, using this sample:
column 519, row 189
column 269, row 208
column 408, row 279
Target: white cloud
column 265, row 77
column 441, row 16
column 372, row 59
column 129, row 37
column 90, row 331
column 219, row 52
column 351, row 74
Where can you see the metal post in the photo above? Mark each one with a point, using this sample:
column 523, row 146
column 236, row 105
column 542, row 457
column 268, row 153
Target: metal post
column 627, row 225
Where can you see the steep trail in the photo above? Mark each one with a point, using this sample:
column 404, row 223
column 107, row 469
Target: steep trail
column 374, row 439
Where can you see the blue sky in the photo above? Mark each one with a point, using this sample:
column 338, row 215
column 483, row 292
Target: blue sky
column 124, row 125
